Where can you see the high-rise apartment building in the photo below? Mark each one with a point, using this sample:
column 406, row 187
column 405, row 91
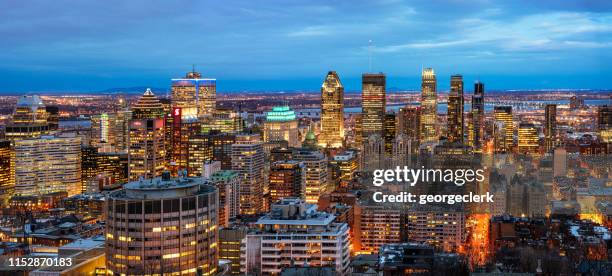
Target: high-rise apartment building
column 429, row 106
column 172, row 228
column 332, row 112
column 373, row 103
column 443, row 229
column 248, row 162
column 196, row 96
column 550, row 127
column 455, row 129
column 528, row 138
column 29, row 119
column 47, row 165
column 504, row 132
column 375, row 225
column 230, row 239
column 477, row 116
column 286, row 180
column 315, row 174
column 146, row 148
column 296, row 234
column 281, row 125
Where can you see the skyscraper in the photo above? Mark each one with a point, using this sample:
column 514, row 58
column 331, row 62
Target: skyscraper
column 196, row 96
column 332, row 112
column 228, row 184
column 429, row 105
column 248, row 161
column 29, row 119
column 286, row 180
column 455, row 110
column 281, row 125
column 527, row 138
column 200, row 151
column 146, row 147
column 173, row 228
column 390, row 131
column 504, row 134
column 315, row 174
column 47, row 165
column 477, row 115
column 373, row 102
column 7, row 170
column 550, row 127
column 409, row 123
column 183, row 128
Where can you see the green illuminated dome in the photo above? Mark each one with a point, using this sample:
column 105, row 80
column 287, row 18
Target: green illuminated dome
column 280, row 114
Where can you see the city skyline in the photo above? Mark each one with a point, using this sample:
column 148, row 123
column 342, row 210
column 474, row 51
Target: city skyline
column 509, row 45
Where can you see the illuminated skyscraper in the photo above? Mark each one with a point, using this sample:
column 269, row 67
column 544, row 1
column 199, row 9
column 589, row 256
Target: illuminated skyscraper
column 196, row 96
column 183, row 127
column 347, row 165
column 281, row 125
column 390, row 131
column 224, row 121
column 455, row 110
column 286, row 180
column 173, row 228
column 29, row 119
column 315, row 174
column 47, row 165
column 373, row 102
column 248, row 161
column 200, row 151
column 429, row 105
column 332, row 112
column 604, row 123
column 477, row 115
column 503, row 137
column 7, row 171
column 146, row 148
column 550, row 127
column 409, row 123
column 228, row 184
column 527, row 138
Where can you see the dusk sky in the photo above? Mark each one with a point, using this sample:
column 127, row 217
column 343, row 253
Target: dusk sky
column 258, row 45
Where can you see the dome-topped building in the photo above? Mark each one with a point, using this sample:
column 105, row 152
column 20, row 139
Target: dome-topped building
column 29, row 119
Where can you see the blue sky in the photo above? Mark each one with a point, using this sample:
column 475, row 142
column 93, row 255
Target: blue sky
column 257, row 45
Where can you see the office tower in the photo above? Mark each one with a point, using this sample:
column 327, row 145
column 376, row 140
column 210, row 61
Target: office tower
column 146, row 147
column 443, row 229
column 315, row 174
column 295, row 234
column 281, row 125
column 347, row 164
column 373, row 153
column 559, row 162
column 390, row 131
column 105, row 132
column 230, row 239
column 401, row 147
column 286, row 180
column 148, row 107
column 172, row 228
column 332, row 112
column 113, row 165
column 29, row 119
column 7, row 172
column 373, row 103
column 550, row 127
column 429, row 106
column 196, row 96
column 576, row 102
column 47, row 165
column 183, row 127
column 409, row 122
column 358, row 131
column 604, row 123
column 228, row 184
column 375, row 225
column 503, row 118
column 222, row 148
column 527, row 138
column 52, row 117
column 199, row 152
column 477, row 115
column 455, row 122
column 121, row 132
column 282, row 154
column 89, row 166
column 248, row 162
column 224, row 121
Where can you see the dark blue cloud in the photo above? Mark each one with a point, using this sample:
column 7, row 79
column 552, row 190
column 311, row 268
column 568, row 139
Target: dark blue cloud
column 93, row 45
